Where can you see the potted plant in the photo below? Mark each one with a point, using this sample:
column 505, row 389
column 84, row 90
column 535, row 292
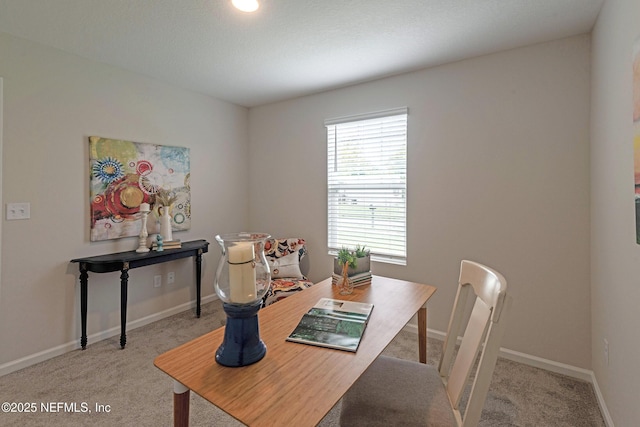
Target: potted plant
column 359, row 260
column 363, row 256
column 346, row 259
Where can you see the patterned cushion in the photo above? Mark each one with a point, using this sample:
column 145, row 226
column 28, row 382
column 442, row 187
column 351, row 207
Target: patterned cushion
column 282, row 288
column 285, row 266
column 286, row 277
column 276, row 248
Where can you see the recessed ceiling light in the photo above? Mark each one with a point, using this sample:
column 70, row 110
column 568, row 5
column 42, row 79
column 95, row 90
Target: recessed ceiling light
column 246, row 5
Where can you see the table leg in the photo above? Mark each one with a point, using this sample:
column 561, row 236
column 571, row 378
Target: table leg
column 84, row 279
column 124, row 282
column 198, row 280
column 180, row 405
column 422, row 334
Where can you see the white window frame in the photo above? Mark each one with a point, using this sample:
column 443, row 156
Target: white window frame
column 367, row 184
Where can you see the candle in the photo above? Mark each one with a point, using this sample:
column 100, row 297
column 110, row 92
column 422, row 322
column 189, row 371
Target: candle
column 242, row 273
column 144, row 207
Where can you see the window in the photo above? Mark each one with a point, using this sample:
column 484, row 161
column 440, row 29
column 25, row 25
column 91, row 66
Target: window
column 367, row 184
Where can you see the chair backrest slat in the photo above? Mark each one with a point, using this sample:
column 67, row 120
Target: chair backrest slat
column 468, row 351
column 453, row 331
column 486, row 365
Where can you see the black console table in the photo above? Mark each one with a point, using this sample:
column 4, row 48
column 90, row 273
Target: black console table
column 125, row 261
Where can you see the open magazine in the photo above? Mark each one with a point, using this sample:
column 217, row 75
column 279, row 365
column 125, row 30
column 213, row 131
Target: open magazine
column 333, row 323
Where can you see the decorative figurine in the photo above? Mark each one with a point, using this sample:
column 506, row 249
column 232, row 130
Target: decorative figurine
column 159, row 240
column 142, row 239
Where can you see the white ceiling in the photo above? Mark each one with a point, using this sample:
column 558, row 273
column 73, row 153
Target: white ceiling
column 288, row 48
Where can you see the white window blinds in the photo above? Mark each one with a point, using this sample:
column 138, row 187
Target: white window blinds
column 367, row 183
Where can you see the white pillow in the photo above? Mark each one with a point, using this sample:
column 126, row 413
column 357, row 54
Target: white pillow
column 286, row 266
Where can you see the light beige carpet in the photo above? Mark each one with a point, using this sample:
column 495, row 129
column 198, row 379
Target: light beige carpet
column 137, row 394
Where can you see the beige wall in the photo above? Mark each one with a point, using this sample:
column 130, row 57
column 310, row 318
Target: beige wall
column 615, row 266
column 498, row 173
column 52, row 103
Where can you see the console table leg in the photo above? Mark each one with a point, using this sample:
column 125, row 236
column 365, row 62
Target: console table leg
column 180, row 405
column 123, row 262
column 124, row 281
column 84, row 279
column 198, row 281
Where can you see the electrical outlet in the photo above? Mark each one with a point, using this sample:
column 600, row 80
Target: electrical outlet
column 171, row 277
column 18, row 211
column 157, row 281
column 606, row 352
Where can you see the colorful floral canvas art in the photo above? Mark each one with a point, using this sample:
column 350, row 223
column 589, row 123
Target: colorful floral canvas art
column 636, row 132
column 124, row 174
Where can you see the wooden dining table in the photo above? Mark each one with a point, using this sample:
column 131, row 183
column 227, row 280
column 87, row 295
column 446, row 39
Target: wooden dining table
column 294, row 384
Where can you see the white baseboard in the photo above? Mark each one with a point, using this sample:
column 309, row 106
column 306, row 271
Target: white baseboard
column 603, row 406
column 539, row 362
column 527, row 359
column 546, row 364
column 32, row 359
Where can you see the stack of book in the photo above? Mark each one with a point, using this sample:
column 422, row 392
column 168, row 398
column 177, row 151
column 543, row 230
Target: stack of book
column 168, row 244
column 360, row 279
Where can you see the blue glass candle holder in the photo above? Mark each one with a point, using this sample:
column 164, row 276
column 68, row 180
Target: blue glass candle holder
column 242, row 279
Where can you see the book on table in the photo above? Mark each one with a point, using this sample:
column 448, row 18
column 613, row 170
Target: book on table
column 360, row 279
column 334, row 324
column 168, row 244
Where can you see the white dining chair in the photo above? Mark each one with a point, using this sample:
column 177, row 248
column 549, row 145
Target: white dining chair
column 406, row 393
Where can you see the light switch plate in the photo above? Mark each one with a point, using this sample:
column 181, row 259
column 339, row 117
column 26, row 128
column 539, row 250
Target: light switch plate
column 18, row 211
